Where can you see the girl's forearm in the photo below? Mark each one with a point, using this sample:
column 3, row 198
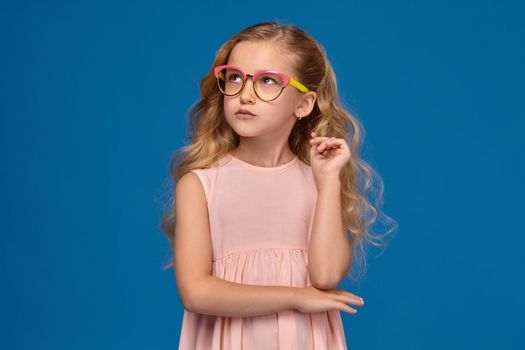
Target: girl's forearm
column 218, row 297
column 329, row 253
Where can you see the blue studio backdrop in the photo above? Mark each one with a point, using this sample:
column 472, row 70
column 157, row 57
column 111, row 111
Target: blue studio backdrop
column 94, row 101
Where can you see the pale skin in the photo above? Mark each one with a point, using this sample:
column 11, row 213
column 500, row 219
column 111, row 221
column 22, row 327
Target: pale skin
column 264, row 143
column 329, row 251
column 203, row 293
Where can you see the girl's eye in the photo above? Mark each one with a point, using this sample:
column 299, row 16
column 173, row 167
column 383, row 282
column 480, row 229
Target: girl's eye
column 232, row 77
column 265, row 79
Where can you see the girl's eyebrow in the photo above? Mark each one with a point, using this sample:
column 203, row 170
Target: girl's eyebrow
column 257, row 70
column 267, row 70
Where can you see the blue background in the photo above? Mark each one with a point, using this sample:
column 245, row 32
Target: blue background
column 94, row 102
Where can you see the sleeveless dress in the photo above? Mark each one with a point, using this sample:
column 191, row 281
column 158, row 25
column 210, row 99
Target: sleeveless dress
column 260, row 226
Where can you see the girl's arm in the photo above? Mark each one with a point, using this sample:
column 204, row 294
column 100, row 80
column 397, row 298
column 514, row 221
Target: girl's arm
column 329, row 253
column 329, row 250
column 215, row 296
column 199, row 290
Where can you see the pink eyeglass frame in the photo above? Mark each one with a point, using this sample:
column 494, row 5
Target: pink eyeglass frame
column 286, row 79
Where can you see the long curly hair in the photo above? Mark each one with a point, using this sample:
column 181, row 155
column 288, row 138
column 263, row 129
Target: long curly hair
column 211, row 137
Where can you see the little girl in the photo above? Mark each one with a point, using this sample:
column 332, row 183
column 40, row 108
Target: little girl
column 268, row 208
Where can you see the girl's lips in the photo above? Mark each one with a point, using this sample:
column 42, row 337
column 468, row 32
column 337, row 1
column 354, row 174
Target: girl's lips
column 244, row 116
column 245, row 111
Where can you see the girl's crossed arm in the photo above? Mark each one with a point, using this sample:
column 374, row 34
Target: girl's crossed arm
column 200, row 291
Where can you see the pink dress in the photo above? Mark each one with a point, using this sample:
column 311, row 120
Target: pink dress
column 260, row 225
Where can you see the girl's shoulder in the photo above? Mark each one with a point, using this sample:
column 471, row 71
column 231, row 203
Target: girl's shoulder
column 208, row 175
column 222, row 161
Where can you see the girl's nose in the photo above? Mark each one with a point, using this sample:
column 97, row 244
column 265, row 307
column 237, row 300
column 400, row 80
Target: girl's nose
column 248, row 94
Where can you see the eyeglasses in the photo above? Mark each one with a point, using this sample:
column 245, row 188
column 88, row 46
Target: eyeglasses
column 267, row 84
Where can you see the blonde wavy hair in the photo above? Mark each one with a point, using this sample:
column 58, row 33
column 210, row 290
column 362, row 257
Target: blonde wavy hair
column 212, row 137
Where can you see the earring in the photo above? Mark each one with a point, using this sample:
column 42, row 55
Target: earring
column 300, row 116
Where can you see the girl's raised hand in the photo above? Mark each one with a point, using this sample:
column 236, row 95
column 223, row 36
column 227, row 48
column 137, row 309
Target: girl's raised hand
column 328, row 155
column 310, row 299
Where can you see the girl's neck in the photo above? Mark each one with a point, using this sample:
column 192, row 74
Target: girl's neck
column 270, row 160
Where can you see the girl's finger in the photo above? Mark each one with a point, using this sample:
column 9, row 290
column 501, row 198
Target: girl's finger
column 337, row 143
column 317, row 140
column 328, row 144
column 346, row 294
column 315, row 137
column 346, row 308
column 351, row 301
column 318, row 145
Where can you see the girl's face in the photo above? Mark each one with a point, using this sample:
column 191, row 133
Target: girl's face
column 271, row 118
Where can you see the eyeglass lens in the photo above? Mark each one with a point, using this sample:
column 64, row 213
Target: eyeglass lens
column 267, row 85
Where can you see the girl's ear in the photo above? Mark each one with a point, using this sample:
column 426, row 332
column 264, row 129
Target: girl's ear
column 306, row 103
